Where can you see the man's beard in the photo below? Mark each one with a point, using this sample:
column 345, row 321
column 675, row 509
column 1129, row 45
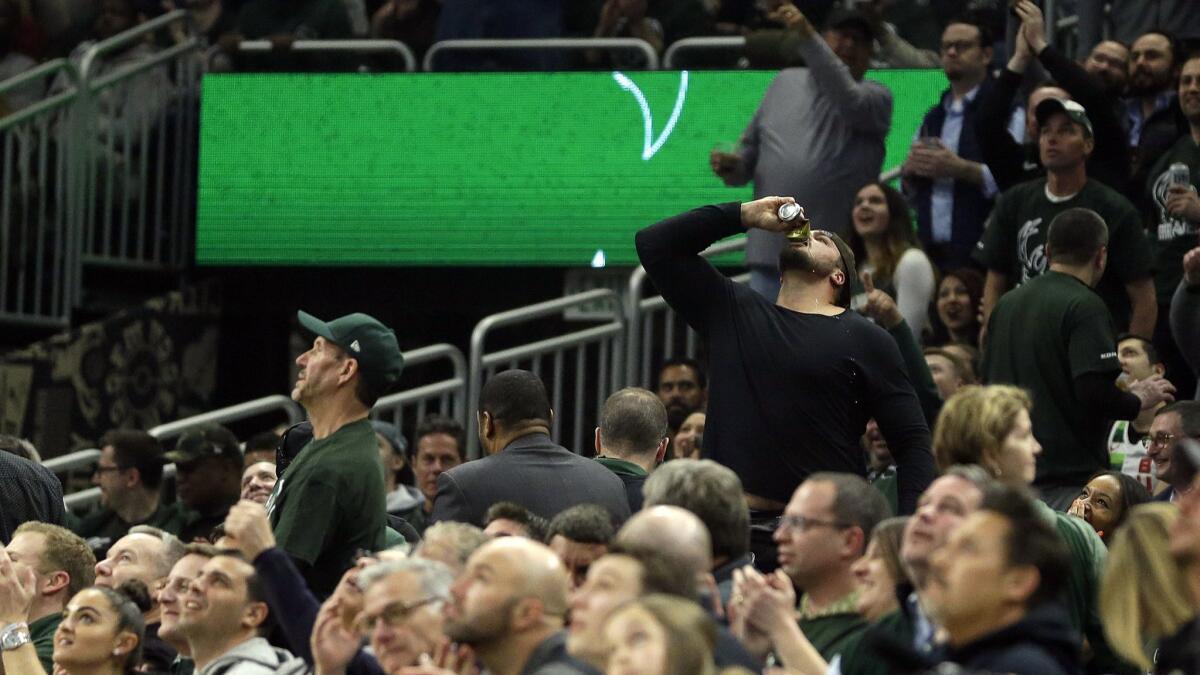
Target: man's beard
column 1142, row 84
column 496, row 625
column 799, row 259
column 676, row 414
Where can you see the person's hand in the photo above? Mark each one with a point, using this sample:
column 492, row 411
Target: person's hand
column 726, row 165
column 770, row 601
column 17, row 588
column 249, row 528
column 790, row 17
column 1153, row 390
column 880, row 306
column 451, row 659
column 1078, row 508
column 333, row 642
column 1033, row 25
column 1191, row 267
column 1183, row 202
column 752, row 637
column 763, row 214
column 1022, row 53
column 933, row 161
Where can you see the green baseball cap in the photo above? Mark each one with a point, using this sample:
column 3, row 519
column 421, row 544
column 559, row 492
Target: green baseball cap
column 365, row 340
column 208, row 441
column 1071, row 109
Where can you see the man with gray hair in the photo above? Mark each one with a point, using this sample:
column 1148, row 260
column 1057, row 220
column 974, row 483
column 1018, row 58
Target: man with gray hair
column 714, row 494
column 401, row 617
column 450, row 543
column 632, row 438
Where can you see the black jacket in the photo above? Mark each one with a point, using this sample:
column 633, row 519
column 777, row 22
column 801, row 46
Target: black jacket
column 1042, row 643
column 1180, row 653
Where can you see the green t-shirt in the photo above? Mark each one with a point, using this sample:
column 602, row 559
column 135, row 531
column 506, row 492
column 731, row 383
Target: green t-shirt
column 832, row 634
column 41, row 632
column 104, row 527
column 330, row 503
column 1014, row 243
column 1042, row 336
column 1171, row 236
column 859, row 659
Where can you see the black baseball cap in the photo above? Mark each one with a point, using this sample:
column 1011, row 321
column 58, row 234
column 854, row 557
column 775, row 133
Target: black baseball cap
column 208, row 441
column 365, row 340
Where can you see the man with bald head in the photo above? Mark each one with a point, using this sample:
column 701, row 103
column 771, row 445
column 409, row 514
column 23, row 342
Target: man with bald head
column 509, row 606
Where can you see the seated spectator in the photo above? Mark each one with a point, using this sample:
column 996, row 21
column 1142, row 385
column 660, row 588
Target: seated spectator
column 129, row 475
column 145, row 555
column 401, row 496
column 879, row 572
column 224, row 616
column 509, row 608
column 208, row 465
column 959, row 295
column 886, row 247
column 950, row 373
column 62, row 565
column 1185, row 312
column 660, row 635
column 689, row 441
column 523, row 464
column 682, row 386
column 881, row 466
column 969, row 354
column 845, row 506
column 579, row 536
column 401, row 617
column 258, row 481
column 413, row 22
column 451, row 544
column 101, row 629
column 1143, row 599
column 632, row 439
column 261, row 448
column 994, row 589
column 509, row 519
column 439, row 444
column 20, row 447
column 1107, row 500
column 38, row 495
column 1171, row 424
column 714, row 494
column 13, row 17
column 1127, row 440
column 626, row 19
column 1179, row 652
column 171, row 595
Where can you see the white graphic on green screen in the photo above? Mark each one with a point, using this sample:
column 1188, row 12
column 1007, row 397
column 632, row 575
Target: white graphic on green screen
column 649, row 144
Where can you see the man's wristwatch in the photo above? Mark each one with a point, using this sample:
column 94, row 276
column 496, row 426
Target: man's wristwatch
column 14, row 635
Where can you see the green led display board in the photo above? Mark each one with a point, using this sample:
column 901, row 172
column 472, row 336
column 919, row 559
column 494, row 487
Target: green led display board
column 472, row 169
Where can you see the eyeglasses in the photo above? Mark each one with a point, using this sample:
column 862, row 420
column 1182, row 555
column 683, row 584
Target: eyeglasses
column 1160, row 439
column 393, row 615
column 959, row 45
column 802, row 524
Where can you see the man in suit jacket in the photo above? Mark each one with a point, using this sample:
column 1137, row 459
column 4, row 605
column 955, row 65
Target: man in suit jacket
column 523, row 464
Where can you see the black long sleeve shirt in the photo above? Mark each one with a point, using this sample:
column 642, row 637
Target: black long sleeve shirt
column 789, row 393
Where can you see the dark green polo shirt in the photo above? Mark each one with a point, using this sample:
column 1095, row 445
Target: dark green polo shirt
column 41, row 632
column 834, row 628
column 331, row 503
column 1042, row 336
column 104, row 527
column 621, row 467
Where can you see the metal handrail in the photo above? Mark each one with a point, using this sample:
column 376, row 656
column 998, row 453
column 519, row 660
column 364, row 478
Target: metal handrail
column 652, row 62
column 688, row 44
column 156, row 60
column 232, row 413
column 75, row 460
column 363, row 46
column 480, row 361
column 40, row 72
column 121, row 39
column 85, row 498
column 457, row 383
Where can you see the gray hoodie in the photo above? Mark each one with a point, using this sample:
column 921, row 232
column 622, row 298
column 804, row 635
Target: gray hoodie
column 255, row 657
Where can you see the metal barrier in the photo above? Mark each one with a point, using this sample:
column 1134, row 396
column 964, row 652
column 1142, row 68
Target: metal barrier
column 338, row 46
column 447, row 396
column 136, row 164
column 601, row 366
column 700, row 44
column 567, row 44
column 642, row 318
column 39, row 280
column 233, row 413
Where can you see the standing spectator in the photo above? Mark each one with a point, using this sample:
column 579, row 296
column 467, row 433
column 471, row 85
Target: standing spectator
column 1014, row 247
column 1185, row 312
column 1126, row 441
column 413, row 22
column 523, row 464
column 439, row 444
column 950, row 186
column 1127, row 19
column 129, row 475
column 959, row 297
column 1172, row 424
column 62, row 565
column 817, row 135
column 827, row 370
column 632, row 439
column 28, row 491
column 1070, row 367
column 713, row 494
column 1154, row 116
column 330, row 502
column 579, row 536
column 208, row 464
column 1109, row 62
column 1175, row 221
column 683, row 388
column 883, row 240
